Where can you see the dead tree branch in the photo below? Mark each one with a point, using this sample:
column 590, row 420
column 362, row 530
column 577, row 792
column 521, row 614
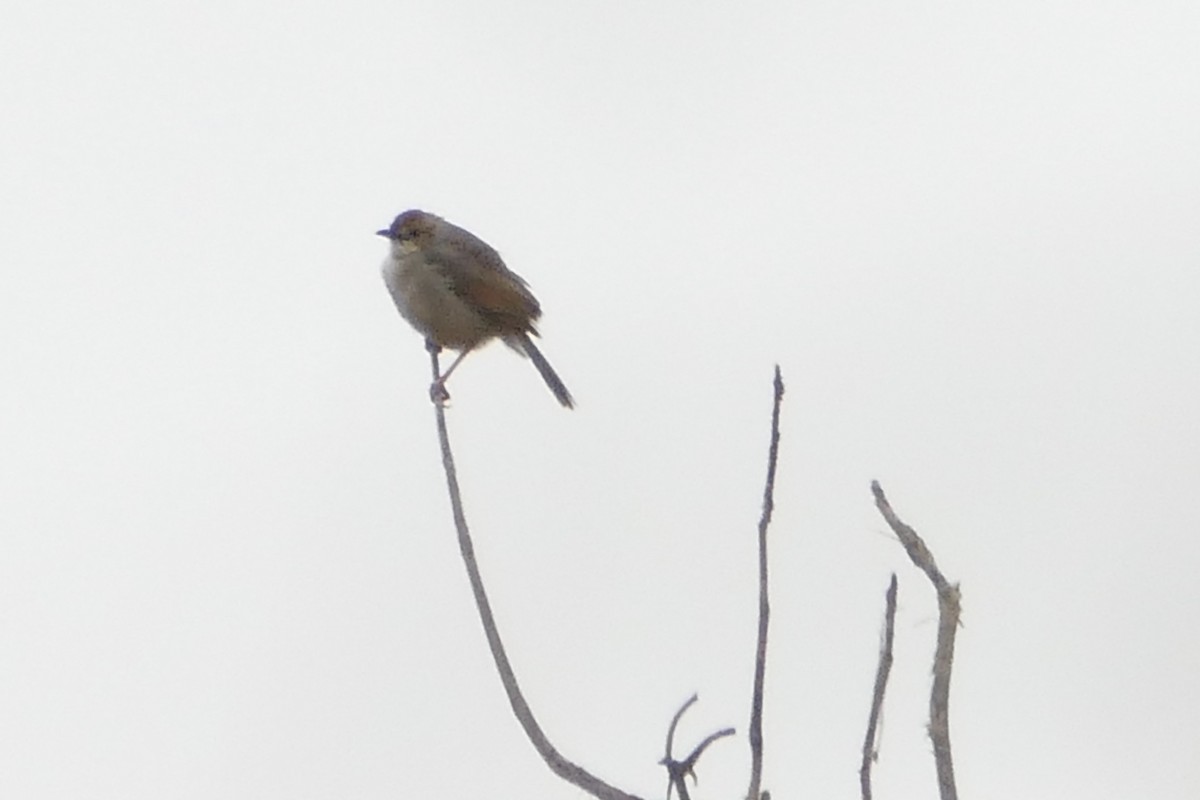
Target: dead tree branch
column 677, row 771
column 870, row 751
column 949, row 611
column 561, row 767
column 764, row 607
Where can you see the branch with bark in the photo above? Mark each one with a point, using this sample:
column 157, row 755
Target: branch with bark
column 949, row 612
column 870, row 749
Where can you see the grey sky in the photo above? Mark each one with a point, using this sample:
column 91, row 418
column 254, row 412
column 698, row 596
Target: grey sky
column 967, row 233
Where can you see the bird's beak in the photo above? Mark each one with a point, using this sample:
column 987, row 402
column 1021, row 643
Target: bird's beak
column 385, row 233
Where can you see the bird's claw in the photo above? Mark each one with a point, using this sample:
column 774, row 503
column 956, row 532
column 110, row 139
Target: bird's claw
column 438, row 394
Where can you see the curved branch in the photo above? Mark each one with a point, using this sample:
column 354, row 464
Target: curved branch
column 565, row 769
column 674, row 724
column 949, row 610
column 678, row 770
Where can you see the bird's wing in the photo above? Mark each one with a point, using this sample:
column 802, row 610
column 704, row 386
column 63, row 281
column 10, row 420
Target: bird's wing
column 476, row 273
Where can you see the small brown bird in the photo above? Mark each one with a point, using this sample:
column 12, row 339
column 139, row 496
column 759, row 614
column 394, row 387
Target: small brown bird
column 454, row 288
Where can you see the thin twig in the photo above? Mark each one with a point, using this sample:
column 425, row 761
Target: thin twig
column 677, row 771
column 949, row 610
column 565, row 769
column 674, row 724
column 870, row 751
column 764, row 607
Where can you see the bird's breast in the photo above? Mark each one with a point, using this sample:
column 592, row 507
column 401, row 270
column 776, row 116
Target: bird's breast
column 426, row 301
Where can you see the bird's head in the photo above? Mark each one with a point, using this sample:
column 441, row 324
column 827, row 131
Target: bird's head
column 411, row 227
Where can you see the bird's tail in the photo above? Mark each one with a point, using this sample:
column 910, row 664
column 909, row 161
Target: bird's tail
column 551, row 378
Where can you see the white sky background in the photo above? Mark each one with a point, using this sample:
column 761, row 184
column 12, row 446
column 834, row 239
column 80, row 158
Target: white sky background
column 968, row 235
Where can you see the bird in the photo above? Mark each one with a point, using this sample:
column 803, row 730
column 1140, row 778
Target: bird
column 454, row 289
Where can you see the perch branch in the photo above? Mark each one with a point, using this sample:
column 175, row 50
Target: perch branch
column 561, row 767
column 949, row 610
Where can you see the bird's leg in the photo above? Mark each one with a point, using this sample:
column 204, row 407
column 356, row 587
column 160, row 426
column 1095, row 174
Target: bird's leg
column 438, row 390
column 457, row 361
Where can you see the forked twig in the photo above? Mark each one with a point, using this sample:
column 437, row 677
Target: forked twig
column 677, row 771
column 949, row 610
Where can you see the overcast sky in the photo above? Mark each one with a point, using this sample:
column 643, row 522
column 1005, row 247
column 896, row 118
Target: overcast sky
column 967, row 232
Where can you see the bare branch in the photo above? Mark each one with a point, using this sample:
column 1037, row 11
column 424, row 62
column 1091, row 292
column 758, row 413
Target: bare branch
column 677, row 771
column 764, row 607
column 870, row 751
column 674, row 724
column 949, row 610
column 561, row 767
column 694, row 756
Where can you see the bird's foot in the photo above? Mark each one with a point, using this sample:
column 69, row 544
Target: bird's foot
column 438, row 394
